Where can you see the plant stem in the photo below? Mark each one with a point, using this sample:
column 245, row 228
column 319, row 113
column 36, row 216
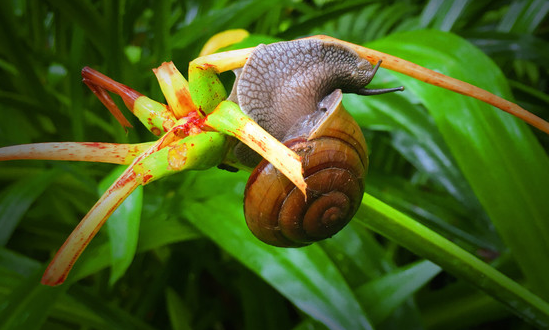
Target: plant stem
column 424, row 242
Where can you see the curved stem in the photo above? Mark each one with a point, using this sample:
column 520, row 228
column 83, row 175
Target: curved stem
column 229, row 119
column 223, row 39
column 76, row 151
column 221, row 62
column 235, row 59
column 438, row 79
column 64, row 260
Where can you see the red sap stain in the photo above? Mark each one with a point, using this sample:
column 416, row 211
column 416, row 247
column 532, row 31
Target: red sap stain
column 146, row 178
column 124, row 179
column 155, row 131
column 194, row 125
column 184, row 98
column 98, row 145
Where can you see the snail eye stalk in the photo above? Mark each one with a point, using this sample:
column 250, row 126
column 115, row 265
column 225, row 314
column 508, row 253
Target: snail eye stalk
column 378, row 91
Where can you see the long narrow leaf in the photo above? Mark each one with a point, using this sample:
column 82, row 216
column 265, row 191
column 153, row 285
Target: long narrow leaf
column 29, row 304
column 392, row 224
column 498, row 154
column 17, row 199
column 382, row 296
column 306, row 276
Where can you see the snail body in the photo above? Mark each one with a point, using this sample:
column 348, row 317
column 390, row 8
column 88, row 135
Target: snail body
column 294, row 91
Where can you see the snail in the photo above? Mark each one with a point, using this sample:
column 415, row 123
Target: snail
column 294, row 91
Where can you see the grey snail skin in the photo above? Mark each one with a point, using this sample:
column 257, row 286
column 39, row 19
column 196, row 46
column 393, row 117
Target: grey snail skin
column 294, row 91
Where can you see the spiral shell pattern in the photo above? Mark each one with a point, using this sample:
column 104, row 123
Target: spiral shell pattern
column 334, row 160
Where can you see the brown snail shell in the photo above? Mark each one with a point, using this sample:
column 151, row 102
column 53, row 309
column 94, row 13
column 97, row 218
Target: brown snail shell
column 334, row 161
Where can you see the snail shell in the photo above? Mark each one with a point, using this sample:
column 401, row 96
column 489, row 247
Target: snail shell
column 294, row 90
column 334, row 163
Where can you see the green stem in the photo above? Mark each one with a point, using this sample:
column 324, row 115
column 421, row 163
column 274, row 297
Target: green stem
column 409, row 233
column 195, row 152
column 228, row 118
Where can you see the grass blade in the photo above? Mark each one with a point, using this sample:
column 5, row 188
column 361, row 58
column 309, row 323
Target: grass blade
column 15, row 201
column 29, row 304
column 498, row 155
column 396, row 226
column 382, row 296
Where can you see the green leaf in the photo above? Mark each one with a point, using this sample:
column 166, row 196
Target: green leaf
column 16, row 200
column 69, row 308
column 382, row 296
column 440, row 213
column 524, row 16
column 164, row 230
column 123, row 226
column 497, row 153
column 29, row 304
column 179, row 313
column 415, row 136
column 424, row 242
column 17, row 263
column 238, row 14
column 255, row 295
column 400, row 114
column 445, row 308
column 442, row 15
column 116, row 317
column 85, row 15
column 358, row 255
column 306, row 276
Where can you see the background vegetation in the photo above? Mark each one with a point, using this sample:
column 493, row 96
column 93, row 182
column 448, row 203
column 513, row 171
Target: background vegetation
column 186, row 260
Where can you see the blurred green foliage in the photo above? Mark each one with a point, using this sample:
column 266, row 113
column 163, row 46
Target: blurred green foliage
column 478, row 177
